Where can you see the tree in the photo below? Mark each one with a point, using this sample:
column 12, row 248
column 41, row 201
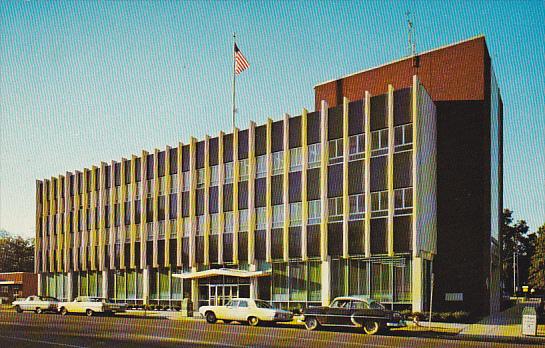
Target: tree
column 536, row 278
column 16, row 254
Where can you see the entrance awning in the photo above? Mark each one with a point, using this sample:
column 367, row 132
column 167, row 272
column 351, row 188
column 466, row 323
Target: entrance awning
column 7, row 282
column 222, row 272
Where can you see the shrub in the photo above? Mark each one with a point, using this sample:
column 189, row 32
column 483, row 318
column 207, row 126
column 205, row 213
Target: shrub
column 177, row 308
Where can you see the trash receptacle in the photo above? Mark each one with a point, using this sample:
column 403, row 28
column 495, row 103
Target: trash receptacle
column 529, row 321
column 187, row 308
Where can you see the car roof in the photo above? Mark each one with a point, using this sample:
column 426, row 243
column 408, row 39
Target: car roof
column 355, row 297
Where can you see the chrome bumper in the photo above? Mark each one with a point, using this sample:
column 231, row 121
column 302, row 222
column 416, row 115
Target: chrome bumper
column 400, row 323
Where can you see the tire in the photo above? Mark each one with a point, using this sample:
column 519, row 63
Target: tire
column 89, row 313
column 39, row 310
column 63, row 311
column 18, row 309
column 312, row 323
column 371, row 327
column 253, row 321
column 210, row 317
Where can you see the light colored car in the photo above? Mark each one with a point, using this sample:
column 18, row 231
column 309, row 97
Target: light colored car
column 38, row 304
column 245, row 310
column 91, row 306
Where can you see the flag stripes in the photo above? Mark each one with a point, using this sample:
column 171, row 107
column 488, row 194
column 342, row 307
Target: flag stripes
column 241, row 63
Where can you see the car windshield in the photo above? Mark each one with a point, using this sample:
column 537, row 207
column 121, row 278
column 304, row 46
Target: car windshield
column 97, row 299
column 375, row 305
column 47, row 298
column 262, row 304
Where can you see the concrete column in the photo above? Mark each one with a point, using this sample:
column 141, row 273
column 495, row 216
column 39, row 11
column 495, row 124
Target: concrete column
column 367, row 163
column 253, row 282
column 417, row 286
column 346, row 204
column 105, row 283
column 285, row 187
column 40, row 288
column 70, row 281
column 195, row 291
column 323, row 181
column 145, row 285
column 326, row 281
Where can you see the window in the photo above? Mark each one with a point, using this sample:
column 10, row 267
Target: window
column 403, row 134
column 314, row 212
column 243, row 304
column 278, row 162
column 162, row 185
column 278, row 216
column 243, row 220
column 336, row 150
column 314, row 154
column 379, row 201
column 357, row 206
column 186, row 181
column 335, row 208
column 149, row 186
column 403, row 198
column 295, row 159
column 187, row 227
column 228, row 172
column 295, row 214
column 261, row 218
column 229, row 222
column 201, row 225
column 129, row 192
column 161, row 230
column 174, row 183
column 379, row 142
column 173, row 228
column 243, row 169
column 214, row 175
column 214, row 223
column 261, row 166
column 149, row 230
column 200, row 178
column 356, row 145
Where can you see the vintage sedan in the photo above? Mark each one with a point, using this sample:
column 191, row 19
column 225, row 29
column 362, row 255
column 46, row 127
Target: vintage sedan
column 355, row 311
column 91, row 306
column 38, row 304
column 247, row 310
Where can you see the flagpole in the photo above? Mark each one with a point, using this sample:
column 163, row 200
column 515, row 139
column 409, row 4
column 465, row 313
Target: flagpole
column 234, row 81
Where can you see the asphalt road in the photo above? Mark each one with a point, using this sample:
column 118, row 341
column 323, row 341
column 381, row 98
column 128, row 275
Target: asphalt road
column 51, row 330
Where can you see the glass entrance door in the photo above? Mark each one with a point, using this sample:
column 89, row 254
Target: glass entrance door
column 219, row 294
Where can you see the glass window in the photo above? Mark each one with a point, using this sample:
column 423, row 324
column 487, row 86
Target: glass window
column 173, row 229
column 261, row 166
column 214, row 175
column 201, row 224
column 278, row 216
column 314, row 212
column 174, row 183
column 335, row 208
column 187, row 227
column 228, row 172
column 243, row 169
column 162, row 185
column 214, row 223
column 379, row 201
column 229, row 222
column 335, row 150
column 295, row 159
column 186, row 181
column 403, row 198
column 261, row 218
column 356, row 144
column 243, row 304
column 200, row 178
column 403, row 134
column 161, row 230
column 379, row 142
column 357, row 206
column 150, row 187
column 138, row 191
column 314, row 154
column 278, row 162
column 295, row 214
column 243, row 220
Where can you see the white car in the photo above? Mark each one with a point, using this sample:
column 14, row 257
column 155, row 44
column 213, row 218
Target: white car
column 38, row 304
column 91, row 306
column 245, row 310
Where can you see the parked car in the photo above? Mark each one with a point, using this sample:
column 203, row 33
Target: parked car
column 245, row 310
column 38, row 304
column 541, row 309
column 356, row 311
column 91, row 306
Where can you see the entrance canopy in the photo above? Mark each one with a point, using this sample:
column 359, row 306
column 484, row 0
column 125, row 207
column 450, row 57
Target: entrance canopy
column 222, row 272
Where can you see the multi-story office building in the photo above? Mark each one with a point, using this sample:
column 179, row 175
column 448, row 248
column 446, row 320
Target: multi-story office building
column 342, row 200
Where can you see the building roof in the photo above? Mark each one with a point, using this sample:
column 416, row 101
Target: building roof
column 400, row 59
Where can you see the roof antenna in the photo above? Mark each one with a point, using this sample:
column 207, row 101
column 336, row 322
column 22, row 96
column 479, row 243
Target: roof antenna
column 412, row 44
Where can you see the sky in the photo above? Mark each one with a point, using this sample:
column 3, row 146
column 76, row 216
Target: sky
column 85, row 82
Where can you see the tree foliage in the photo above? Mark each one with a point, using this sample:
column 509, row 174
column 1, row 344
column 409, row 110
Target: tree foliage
column 16, row 254
column 536, row 278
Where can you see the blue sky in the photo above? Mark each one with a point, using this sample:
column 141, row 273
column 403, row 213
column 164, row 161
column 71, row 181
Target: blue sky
column 85, row 82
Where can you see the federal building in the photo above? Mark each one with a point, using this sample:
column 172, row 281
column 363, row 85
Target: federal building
column 394, row 176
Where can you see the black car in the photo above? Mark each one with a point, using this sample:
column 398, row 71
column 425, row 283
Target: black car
column 356, row 311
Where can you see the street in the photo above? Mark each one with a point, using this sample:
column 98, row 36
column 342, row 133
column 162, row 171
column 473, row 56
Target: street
column 50, row 330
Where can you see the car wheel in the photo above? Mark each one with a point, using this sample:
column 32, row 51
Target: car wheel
column 210, row 317
column 64, row 311
column 371, row 327
column 39, row 310
column 18, row 309
column 89, row 313
column 253, row 321
column 311, row 323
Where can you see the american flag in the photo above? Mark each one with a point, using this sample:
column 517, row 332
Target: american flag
column 241, row 63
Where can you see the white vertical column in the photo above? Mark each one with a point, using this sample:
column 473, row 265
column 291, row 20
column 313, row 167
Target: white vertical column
column 251, row 195
column 346, row 205
column 104, row 283
column 304, row 200
column 367, row 185
column 285, row 187
column 145, row 285
column 268, row 201
column 323, row 180
column 221, row 182
column 390, row 182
